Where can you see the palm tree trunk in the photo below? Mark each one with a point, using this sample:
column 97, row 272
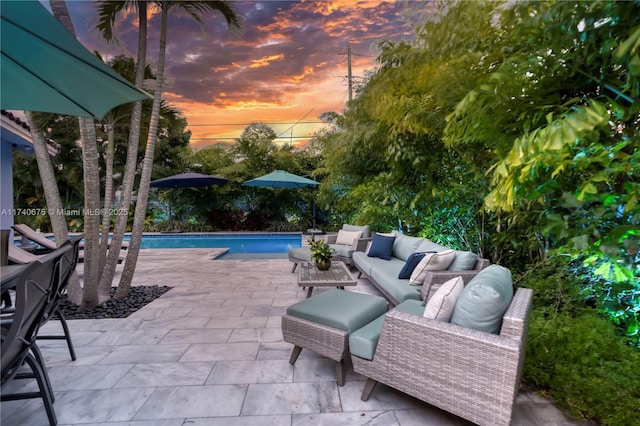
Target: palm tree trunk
column 53, row 200
column 108, row 197
column 147, row 166
column 49, row 184
column 91, row 296
column 129, row 175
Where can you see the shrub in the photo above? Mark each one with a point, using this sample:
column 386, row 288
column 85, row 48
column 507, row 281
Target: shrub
column 576, row 355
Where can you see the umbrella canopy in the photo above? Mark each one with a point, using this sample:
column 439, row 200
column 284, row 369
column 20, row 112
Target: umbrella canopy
column 44, row 68
column 281, row 179
column 188, row 180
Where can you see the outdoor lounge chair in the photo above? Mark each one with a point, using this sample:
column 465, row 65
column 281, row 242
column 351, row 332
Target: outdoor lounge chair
column 470, row 373
column 35, row 236
column 342, row 244
column 18, row 255
column 50, row 245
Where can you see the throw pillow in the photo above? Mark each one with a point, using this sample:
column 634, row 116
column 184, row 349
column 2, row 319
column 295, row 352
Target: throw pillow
column 428, row 245
column 366, row 233
column 404, row 245
column 440, row 306
column 347, row 237
column 484, row 300
column 381, row 246
column 464, row 261
column 431, row 262
column 410, row 264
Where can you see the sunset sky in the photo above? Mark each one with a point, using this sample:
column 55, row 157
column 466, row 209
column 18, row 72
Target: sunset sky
column 288, row 65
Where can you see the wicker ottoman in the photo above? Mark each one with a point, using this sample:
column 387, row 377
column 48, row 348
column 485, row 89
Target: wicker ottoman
column 322, row 323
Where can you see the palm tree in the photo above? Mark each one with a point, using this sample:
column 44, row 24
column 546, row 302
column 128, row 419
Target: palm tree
column 107, row 11
column 106, row 20
column 90, row 296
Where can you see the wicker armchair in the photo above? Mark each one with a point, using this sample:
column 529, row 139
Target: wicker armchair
column 359, row 244
column 470, row 373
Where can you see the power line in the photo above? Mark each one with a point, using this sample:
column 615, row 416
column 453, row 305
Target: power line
column 247, row 124
column 298, row 122
column 232, row 139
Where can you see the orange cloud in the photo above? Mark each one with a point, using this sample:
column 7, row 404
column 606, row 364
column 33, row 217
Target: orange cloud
column 308, row 70
column 265, row 61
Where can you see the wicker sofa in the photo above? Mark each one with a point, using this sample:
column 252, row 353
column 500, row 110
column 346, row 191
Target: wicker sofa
column 384, row 273
column 470, row 373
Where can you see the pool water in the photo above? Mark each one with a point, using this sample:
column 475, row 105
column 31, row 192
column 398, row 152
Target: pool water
column 236, row 243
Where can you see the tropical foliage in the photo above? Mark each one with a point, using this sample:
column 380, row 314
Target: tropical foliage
column 511, row 128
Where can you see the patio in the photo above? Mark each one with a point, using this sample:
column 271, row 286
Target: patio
column 210, row 352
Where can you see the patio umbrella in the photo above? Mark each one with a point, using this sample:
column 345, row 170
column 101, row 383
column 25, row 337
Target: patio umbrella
column 186, row 180
column 282, row 179
column 44, row 68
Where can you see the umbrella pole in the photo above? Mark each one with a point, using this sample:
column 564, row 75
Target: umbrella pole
column 170, row 219
column 314, row 212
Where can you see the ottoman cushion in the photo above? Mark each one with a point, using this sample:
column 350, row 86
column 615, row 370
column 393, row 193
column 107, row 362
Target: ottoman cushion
column 363, row 341
column 340, row 309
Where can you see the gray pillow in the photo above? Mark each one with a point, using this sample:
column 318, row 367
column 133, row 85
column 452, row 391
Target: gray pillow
column 484, row 300
column 365, row 229
column 428, row 245
column 404, row 245
column 464, row 261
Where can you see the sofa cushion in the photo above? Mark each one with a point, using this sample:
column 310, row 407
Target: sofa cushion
column 410, row 265
column 428, row 245
column 440, row 305
column 366, row 233
column 464, row 261
column 340, row 309
column 342, row 250
column 347, row 237
column 484, row 300
column 381, row 246
column 431, row 262
column 387, row 280
column 363, row 341
column 404, row 245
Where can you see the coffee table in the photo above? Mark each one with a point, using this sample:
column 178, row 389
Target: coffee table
column 337, row 276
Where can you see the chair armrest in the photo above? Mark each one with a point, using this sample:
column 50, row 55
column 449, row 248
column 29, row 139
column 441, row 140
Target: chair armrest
column 434, row 279
column 515, row 322
column 360, row 244
column 331, row 239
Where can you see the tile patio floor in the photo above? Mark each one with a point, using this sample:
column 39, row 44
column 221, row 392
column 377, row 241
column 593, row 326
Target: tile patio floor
column 210, row 353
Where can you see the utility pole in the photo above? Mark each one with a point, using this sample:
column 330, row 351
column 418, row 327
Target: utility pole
column 349, row 76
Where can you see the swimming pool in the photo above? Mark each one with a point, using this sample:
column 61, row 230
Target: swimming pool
column 236, row 242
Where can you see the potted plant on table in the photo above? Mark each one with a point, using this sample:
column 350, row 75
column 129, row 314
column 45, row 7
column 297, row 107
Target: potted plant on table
column 321, row 254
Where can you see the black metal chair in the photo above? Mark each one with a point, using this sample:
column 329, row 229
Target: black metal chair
column 35, row 290
column 67, row 267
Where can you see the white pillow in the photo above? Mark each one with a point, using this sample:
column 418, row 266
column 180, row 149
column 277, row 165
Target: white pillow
column 440, row 306
column 347, row 237
column 431, row 262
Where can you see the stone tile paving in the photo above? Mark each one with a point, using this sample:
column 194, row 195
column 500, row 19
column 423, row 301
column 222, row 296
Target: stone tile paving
column 210, row 353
